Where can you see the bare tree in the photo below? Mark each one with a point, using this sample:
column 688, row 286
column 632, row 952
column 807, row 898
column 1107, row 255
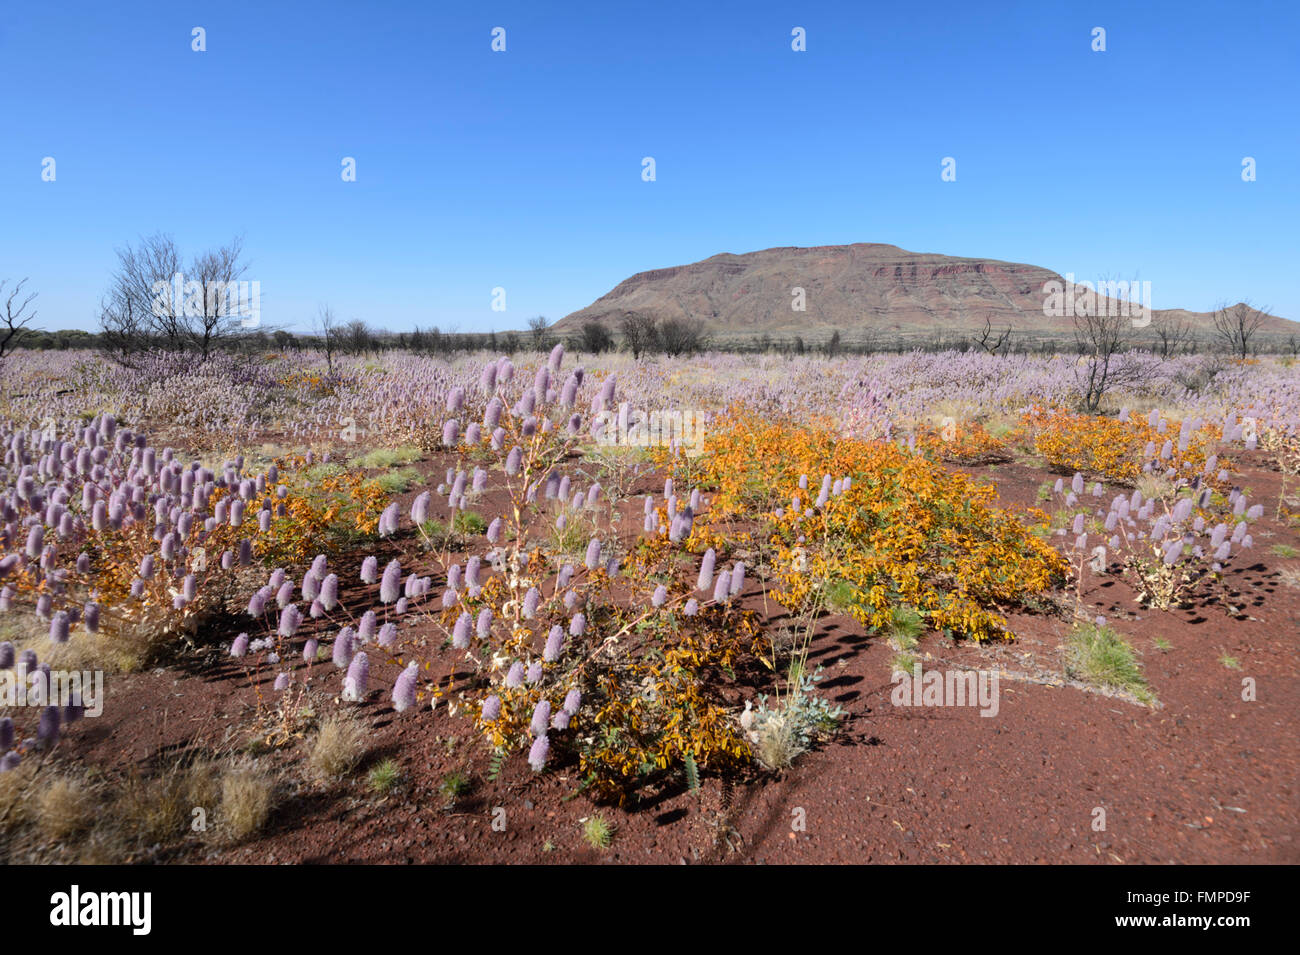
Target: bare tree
column 991, row 342
column 16, row 317
column 639, row 332
column 537, row 328
column 327, row 327
column 1169, row 335
column 217, row 273
column 1099, row 334
column 358, row 337
column 1235, row 326
column 152, row 303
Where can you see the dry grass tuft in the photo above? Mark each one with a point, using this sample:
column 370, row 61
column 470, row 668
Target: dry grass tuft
column 65, row 806
column 338, row 747
column 246, row 800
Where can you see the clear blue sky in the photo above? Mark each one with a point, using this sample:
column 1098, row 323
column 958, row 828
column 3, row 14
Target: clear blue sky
column 522, row 169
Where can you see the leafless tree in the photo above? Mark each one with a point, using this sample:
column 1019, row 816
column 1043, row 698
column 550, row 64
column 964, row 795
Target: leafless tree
column 326, row 326
column 990, row 341
column 1236, row 325
column 1100, row 336
column 1170, row 334
column 357, row 337
column 17, row 316
column 639, row 332
column 153, row 303
column 215, row 271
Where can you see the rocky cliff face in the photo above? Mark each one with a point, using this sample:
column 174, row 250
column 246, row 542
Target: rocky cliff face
column 861, row 289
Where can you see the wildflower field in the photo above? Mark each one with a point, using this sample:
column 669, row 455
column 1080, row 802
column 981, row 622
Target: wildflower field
column 508, row 608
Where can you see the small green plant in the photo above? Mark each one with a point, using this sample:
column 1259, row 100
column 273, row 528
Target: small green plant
column 387, row 457
column 384, row 776
column 453, row 787
column 692, row 773
column 840, row 596
column 1162, row 644
column 598, row 832
column 1284, row 550
column 469, row 522
column 1232, row 663
column 904, row 632
column 396, row 482
column 778, row 734
column 1099, row 656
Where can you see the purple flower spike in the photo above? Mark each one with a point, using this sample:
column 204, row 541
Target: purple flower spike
column 370, row 570
column 491, row 708
column 354, row 684
column 541, row 718
column 578, row 625
column 593, row 554
column 239, row 647
column 404, row 688
column 538, row 753
column 705, row 580
column 343, row 648
column 460, row 634
column 390, row 587
column 554, row 644
column 531, row 600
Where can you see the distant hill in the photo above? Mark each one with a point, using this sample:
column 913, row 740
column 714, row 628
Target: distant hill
column 861, row 290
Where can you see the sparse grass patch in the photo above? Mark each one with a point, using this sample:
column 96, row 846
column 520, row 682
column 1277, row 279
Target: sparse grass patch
column 1101, row 657
column 453, row 787
column 598, row 832
column 1284, row 550
column 396, row 482
column 384, row 776
column 387, row 457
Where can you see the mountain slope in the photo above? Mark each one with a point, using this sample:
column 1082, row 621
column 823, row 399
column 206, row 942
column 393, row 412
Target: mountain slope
column 860, row 289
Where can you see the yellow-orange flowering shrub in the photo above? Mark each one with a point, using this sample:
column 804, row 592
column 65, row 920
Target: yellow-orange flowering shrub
column 1113, row 449
column 906, row 532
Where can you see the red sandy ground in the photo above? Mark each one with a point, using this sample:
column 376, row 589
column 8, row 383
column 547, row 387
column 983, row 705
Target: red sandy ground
column 1204, row 778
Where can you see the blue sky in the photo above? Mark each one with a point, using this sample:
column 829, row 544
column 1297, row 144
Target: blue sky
column 522, row 169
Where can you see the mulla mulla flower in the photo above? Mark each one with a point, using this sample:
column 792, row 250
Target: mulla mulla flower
column 541, row 718
column 404, row 688
column 370, row 570
column 460, row 633
column 343, row 648
column 538, row 753
column 239, row 646
column 390, row 585
column 354, row 684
